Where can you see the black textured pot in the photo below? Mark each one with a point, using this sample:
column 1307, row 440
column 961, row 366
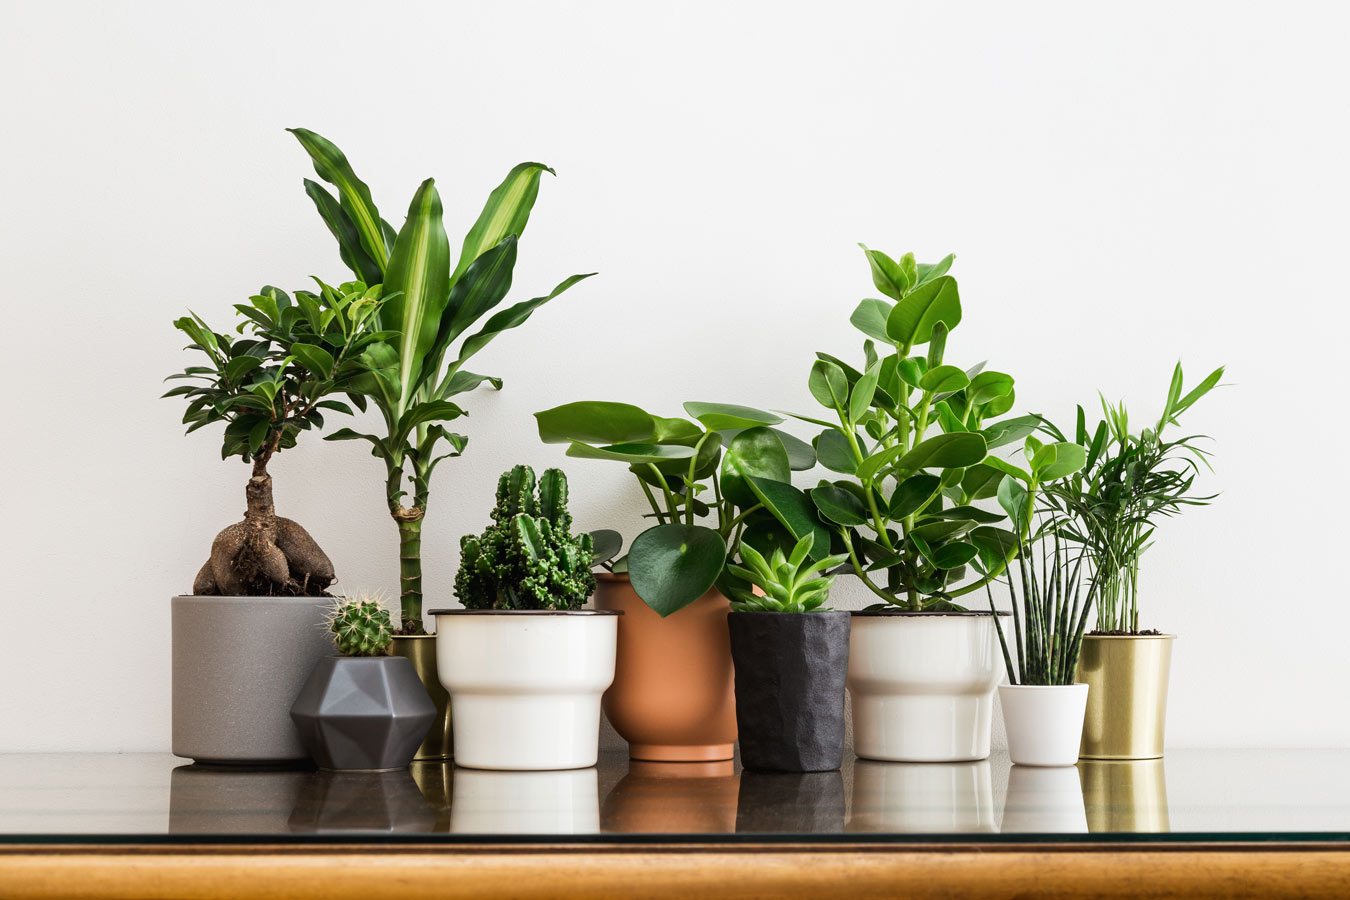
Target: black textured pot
column 790, row 670
column 363, row 714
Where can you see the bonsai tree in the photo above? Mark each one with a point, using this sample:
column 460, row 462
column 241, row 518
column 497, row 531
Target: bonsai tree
column 361, row 626
column 693, row 473
column 788, row 584
column 430, row 307
column 528, row 557
column 267, row 387
column 1128, row 483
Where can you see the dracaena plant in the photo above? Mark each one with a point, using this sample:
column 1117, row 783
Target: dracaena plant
column 1128, row 483
column 431, row 303
column 911, row 436
column 267, row 386
column 695, row 474
column 788, row 583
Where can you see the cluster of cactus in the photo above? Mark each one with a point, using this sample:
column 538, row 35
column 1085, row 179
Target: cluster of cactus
column 528, row 557
column 361, row 626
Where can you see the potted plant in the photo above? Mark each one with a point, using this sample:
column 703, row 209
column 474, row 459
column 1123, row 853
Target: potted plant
column 246, row 639
column 791, row 657
column 910, row 440
column 431, row 303
column 673, row 695
column 1129, row 483
column 363, row 710
column 1043, row 702
column 524, row 664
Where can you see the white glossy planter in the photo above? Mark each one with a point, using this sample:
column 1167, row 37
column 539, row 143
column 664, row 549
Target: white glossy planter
column 561, row 802
column 1044, row 800
column 923, row 685
column 525, row 686
column 1044, row 722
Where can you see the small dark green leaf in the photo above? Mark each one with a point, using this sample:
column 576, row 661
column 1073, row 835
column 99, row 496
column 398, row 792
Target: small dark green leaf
column 838, row 505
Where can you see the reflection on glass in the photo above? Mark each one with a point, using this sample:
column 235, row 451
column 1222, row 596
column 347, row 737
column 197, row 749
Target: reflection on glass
column 791, row 803
column 1044, row 799
column 229, row 800
column 435, row 779
column 673, row 797
column 342, row 802
column 1125, row 795
column 561, row 802
column 939, row 798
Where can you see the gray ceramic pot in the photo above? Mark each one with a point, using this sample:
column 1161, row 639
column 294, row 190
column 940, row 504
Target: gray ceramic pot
column 790, row 671
column 363, row 714
column 238, row 665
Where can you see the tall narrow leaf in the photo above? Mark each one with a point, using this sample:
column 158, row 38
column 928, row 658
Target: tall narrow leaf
column 417, row 281
column 506, row 212
column 352, row 251
column 332, row 166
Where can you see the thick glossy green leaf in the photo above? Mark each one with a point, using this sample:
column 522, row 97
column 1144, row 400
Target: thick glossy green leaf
column 631, row 452
column 354, row 196
column 511, row 317
column 240, row 366
column 987, row 385
column 942, row 529
column 462, row 382
column 755, row 451
column 720, row 416
column 877, row 463
column 973, row 513
column 350, row 248
column 1009, row 430
column 887, row 274
column 676, row 431
column 605, row 545
column 417, row 283
column 792, row 508
column 912, row 493
column 953, row 555
column 1007, row 468
column 980, row 482
column 925, row 272
column 946, row 451
column 506, row 212
column 423, row 413
column 870, row 318
column 860, row 397
column 1012, row 496
column 829, row 385
column 595, row 422
column 312, row 357
column 912, row 320
column 838, row 505
column 834, row 453
column 801, row 456
column 1069, row 458
column 671, row 566
column 944, row 380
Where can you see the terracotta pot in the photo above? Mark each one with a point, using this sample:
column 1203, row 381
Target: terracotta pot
column 673, row 697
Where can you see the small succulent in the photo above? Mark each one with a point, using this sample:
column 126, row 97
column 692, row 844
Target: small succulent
column 528, row 557
column 791, row 584
column 361, row 626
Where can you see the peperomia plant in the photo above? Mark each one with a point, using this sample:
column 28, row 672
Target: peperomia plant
column 793, row 583
column 528, row 557
column 430, row 305
column 694, row 473
column 267, row 387
column 1129, row 481
column 911, row 436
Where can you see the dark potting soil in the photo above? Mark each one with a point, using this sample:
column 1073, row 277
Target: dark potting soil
column 1151, row 631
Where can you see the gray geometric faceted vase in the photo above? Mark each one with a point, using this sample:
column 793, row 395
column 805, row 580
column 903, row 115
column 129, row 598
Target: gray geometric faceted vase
column 363, row 713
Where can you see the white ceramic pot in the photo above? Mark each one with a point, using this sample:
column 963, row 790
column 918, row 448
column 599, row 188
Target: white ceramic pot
column 525, row 685
column 922, row 685
column 1044, row 722
column 562, row 802
column 1044, row 800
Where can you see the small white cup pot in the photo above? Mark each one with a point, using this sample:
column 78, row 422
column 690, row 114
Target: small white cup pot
column 525, row 685
column 1044, row 722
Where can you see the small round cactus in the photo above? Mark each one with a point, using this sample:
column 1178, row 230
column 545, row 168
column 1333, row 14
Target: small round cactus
column 361, row 626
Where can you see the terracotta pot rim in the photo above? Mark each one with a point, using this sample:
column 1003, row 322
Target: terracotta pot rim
column 1130, row 637
column 611, row 576
column 524, row 612
column 899, row 613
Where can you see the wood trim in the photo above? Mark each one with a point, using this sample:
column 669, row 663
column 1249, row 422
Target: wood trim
column 621, row 872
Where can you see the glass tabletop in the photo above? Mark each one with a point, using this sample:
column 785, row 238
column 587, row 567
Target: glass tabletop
column 1295, row 796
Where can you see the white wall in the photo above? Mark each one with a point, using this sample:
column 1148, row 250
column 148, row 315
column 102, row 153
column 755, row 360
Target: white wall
column 1123, row 186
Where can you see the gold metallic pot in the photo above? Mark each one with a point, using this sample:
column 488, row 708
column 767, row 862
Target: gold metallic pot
column 1125, row 795
column 1127, row 695
column 420, row 649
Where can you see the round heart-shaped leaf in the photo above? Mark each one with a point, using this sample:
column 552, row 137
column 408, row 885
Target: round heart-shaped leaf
column 671, row 566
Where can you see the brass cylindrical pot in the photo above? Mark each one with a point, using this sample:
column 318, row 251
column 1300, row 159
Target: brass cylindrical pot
column 1127, row 695
column 420, row 650
column 1125, row 795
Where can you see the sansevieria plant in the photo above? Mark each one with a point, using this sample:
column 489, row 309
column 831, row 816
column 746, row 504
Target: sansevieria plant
column 430, row 305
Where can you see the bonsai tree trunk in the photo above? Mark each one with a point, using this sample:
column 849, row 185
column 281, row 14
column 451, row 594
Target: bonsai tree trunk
column 264, row 555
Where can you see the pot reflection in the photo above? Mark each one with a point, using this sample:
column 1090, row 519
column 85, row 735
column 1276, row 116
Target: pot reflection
column 1044, row 800
column 1125, row 795
column 233, row 800
column 937, row 798
column 546, row 802
column 791, row 803
column 435, row 779
column 341, row 802
column 673, row 797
